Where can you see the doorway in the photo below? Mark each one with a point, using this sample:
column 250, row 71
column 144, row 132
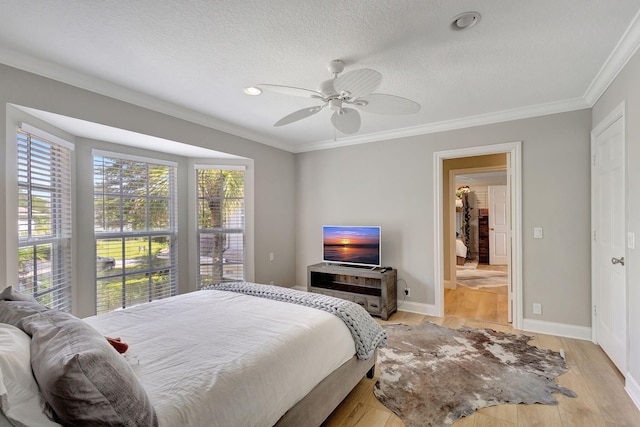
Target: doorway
column 480, row 287
column 444, row 246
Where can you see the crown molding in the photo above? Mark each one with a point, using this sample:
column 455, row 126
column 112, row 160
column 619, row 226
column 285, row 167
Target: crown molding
column 103, row 87
column 620, row 55
column 447, row 125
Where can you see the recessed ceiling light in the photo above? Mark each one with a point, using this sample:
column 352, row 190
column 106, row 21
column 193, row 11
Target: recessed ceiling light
column 465, row 20
column 252, row 90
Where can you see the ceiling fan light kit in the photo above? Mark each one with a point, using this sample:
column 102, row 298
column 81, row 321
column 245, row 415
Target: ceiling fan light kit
column 252, row 90
column 354, row 88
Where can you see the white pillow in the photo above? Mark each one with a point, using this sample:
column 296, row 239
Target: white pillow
column 19, row 398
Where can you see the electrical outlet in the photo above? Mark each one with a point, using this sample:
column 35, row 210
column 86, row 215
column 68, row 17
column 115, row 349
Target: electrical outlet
column 271, row 282
column 271, row 256
column 537, row 308
column 407, row 292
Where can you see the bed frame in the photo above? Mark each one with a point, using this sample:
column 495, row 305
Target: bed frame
column 316, row 406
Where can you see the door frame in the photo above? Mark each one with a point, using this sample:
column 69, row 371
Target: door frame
column 618, row 112
column 514, row 180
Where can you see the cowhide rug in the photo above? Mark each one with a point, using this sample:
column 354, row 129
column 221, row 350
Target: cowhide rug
column 432, row 375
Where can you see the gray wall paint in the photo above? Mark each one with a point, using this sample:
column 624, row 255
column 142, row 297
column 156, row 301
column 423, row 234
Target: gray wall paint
column 626, row 87
column 383, row 183
column 274, row 168
column 390, row 184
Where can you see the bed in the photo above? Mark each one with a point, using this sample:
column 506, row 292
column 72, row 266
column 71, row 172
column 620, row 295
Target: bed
column 226, row 357
column 461, row 251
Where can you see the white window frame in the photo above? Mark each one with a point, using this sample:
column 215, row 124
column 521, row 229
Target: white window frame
column 172, row 231
column 249, row 256
column 60, row 238
column 229, row 232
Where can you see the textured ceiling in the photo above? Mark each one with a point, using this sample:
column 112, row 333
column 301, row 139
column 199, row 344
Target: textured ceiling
column 192, row 58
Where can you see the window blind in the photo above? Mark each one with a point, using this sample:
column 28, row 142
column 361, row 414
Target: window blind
column 135, row 224
column 221, row 224
column 44, row 219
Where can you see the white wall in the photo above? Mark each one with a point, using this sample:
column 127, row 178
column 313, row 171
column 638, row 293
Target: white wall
column 390, row 184
column 626, row 87
column 273, row 168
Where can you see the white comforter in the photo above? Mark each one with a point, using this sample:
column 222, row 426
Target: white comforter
column 215, row 358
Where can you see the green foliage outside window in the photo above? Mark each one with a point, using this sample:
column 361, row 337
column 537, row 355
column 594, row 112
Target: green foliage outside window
column 134, row 214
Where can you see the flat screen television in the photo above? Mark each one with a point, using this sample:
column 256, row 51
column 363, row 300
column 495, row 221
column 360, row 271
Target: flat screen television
column 351, row 245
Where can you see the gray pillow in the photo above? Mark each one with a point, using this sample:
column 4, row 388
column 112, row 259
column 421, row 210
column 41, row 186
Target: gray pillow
column 81, row 376
column 12, row 312
column 10, row 294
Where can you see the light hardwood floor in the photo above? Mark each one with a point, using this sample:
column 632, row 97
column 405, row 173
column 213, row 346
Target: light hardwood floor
column 601, row 399
column 487, row 304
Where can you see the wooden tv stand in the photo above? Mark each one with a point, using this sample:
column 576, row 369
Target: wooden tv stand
column 373, row 290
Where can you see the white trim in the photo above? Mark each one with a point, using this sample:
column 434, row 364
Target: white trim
column 221, row 167
column 122, row 156
column 299, row 288
column 618, row 58
column 26, row 127
column 419, row 308
column 557, row 329
column 446, row 125
column 515, row 170
column 633, row 389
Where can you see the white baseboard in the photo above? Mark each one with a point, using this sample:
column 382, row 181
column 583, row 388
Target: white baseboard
column 417, row 307
column 633, row 389
column 559, row 329
column 299, row 287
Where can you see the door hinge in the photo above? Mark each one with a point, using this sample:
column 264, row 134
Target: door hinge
column 594, row 160
column 594, row 235
column 595, row 311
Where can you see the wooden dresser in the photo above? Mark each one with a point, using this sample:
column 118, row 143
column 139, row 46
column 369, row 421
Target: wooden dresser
column 483, row 238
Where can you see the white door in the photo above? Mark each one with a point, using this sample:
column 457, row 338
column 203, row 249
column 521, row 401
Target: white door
column 498, row 225
column 608, row 249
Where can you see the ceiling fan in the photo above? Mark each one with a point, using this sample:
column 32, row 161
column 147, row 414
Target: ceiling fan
column 353, row 88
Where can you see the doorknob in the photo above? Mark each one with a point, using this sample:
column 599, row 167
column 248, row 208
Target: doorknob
column 491, row 229
column 615, row 260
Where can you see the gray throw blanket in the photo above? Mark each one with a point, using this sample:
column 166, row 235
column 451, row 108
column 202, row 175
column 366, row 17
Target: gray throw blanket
column 367, row 334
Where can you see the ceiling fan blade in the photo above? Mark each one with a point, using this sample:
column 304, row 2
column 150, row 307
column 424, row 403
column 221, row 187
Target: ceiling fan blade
column 298, row 115
column 290, row 90
column 347, row 120
column 357, row 83
column 380, row 103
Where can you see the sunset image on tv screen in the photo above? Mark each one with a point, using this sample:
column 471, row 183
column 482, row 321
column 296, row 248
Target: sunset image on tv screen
column 352, row 245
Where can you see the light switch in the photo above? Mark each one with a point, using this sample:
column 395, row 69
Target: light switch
column 631, row 240
column 537, row 232
column 537, row 308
